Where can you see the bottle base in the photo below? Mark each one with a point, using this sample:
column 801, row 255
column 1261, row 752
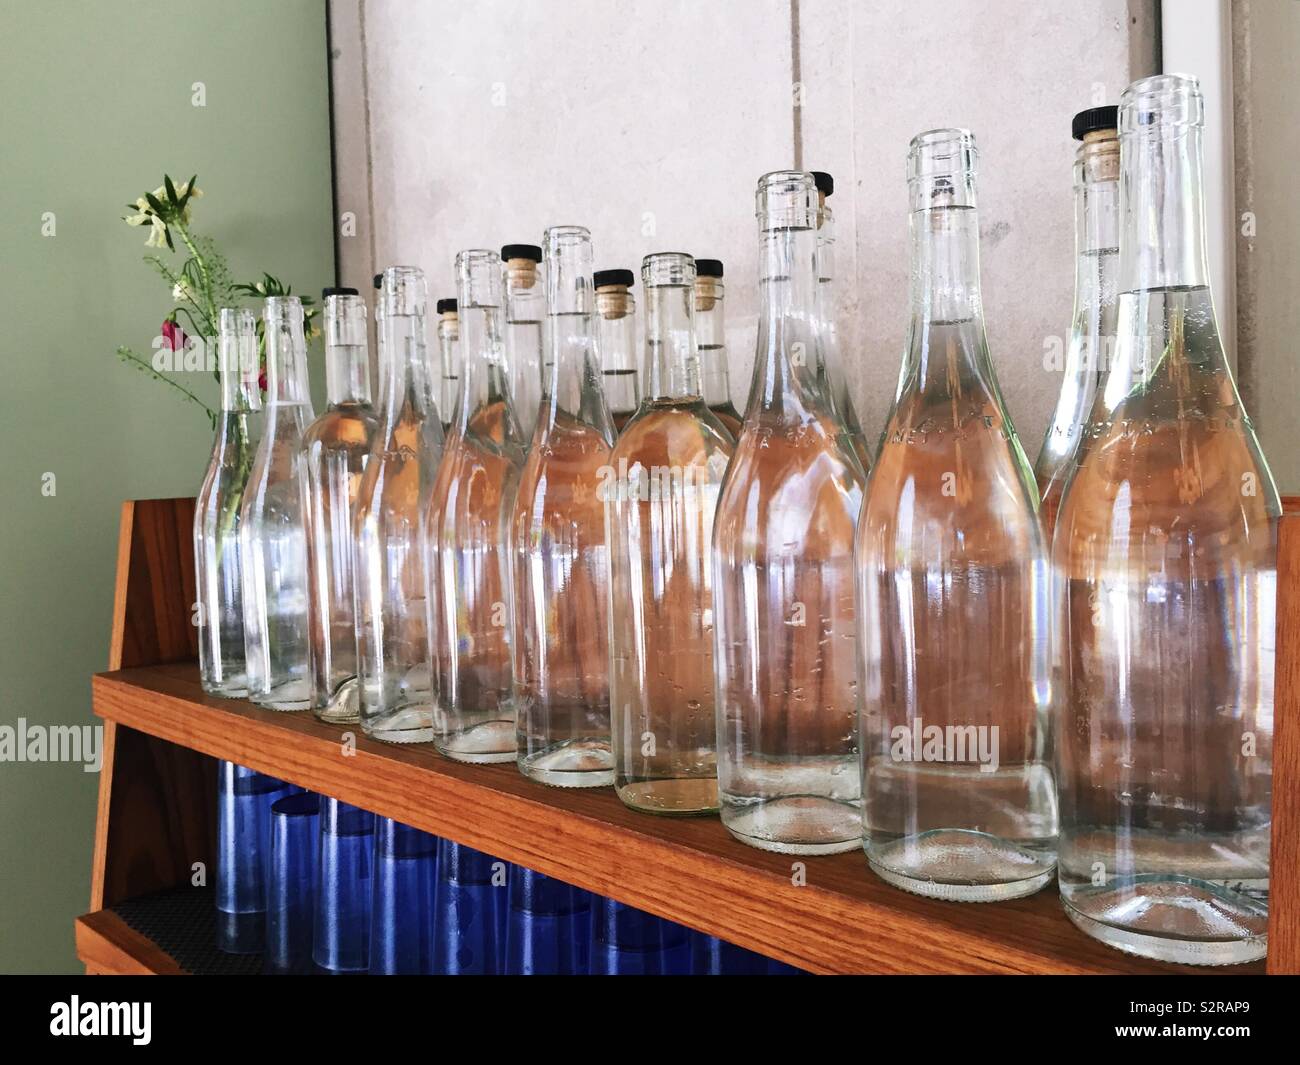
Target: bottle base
column 1179, row 920
column 960, row 865
column 288, row 697
column 402, row 724
column 491, row 742
column 343, row 707
column 692, row 797
column 797, row 824
column 571, row 764
column 224, row 692
column 285, row 706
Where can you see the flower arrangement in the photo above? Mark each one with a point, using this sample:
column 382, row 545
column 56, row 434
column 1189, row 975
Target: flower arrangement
column 200, row 286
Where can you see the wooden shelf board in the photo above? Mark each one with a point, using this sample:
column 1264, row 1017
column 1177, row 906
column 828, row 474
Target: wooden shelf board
column 841, row 920
column 108, row 946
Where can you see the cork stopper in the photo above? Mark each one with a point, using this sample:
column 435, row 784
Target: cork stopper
column 613, row 301
column 708, row 290
column 522, row 273
column 1099, row 152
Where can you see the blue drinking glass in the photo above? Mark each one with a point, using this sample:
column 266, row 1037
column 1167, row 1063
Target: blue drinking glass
column 401, row 922
column 626, row 941
column 244, row 800
column 548, row 929
column 341, row 943
column 711, row 956
column 291, row 883
column 466, row 923
column 676, row 939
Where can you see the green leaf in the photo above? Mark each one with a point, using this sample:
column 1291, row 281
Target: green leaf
column 152, row 201
column 168, row 234
column 171, row 189
column 189, row 191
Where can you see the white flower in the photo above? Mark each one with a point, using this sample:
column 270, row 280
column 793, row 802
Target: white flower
column 157, row 234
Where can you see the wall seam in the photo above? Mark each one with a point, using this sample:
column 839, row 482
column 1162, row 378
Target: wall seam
column 796, row 94
column 370, row 148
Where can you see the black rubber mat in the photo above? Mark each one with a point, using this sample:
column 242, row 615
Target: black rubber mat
column 182, row 922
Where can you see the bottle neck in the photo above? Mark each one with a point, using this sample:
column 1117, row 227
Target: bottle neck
column 449, row 358
column 616, row 341
column 711, row 342
column 347, row 372
column 483, row 375
column 407, row 374
column 286, row 364
column 1096, row 237
column 788, row 342
column 672, row 360
column 573, row 377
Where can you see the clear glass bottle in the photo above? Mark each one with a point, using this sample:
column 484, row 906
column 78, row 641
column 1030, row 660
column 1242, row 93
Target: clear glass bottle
column 560, row 630
column 959, row 800
column 449, row 360
column 218, row 573
column 397, row 696
column 830, row 370
column 525, row 308
column 617, row 342
column 783, row 574
column 335, row 449
column 467, row 520
column 1166, row 548
column 660, row 493
column 1092, row 330
column 273, row 537
column 711, row 342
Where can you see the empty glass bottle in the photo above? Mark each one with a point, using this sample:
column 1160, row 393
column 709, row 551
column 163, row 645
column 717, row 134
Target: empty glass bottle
column 783, row 575
column 831, row 364
column 1092, row 331
column 560, row 629
column 466, row 521
column 525, row 309
column 660, row 493
column 335, row 449
column 959, row 800
column 711, row 342
column 397, row 698
column 1166, row 549
column 217, row 569
column 273, row 535
column 617, row 342
column 449, row 361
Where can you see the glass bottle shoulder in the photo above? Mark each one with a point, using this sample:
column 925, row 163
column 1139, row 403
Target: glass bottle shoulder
column 673, row 433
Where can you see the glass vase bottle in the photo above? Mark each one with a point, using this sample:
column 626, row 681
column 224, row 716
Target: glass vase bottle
column 959, row 800
column 830, row 368
column 218, row 573
column 397, row 697
column 449, row 360
column 1166, row 548
column 560, row 631
column 525, row 312
column 1092, row 330
column 660, row 493
column 273, row 537
column 617, row 343
column 711, row 343
column 466, row 522
column 336, row 448
column 783, row 575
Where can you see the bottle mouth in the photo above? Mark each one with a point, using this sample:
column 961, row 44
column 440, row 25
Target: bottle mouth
column 939, row 153
column 665, row 268
column 1163, row 101
column 787, row 199
column 282, row 309
column 405, row 291
column 478, row 278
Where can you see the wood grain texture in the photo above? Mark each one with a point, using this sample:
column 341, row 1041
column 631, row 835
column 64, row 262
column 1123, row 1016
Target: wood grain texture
column 156, row 810
column 1284, row 877
column 843, row 920
column 106, row 945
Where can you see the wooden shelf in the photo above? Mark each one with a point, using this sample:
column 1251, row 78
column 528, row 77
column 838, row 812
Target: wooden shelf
column 842, row 920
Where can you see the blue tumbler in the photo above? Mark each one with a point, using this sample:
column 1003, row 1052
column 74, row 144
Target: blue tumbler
column 626, row 941
column 341, row 943
column 676, row 939
column 291, row 883
column 244, row 800
column 711, row 956
column 466, row 904
column 401, row 913
column 548, row 928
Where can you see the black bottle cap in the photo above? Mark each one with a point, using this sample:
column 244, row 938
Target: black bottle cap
column 447, row 305
column 521, row 251
column 601, row 278
column 326, row 293
column 824, row 182
column 708, row 267
column 1093, row 119
column 379, row 280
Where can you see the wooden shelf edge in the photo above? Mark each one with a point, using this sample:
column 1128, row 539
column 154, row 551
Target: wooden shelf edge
column 107, row 946
column 841, row 920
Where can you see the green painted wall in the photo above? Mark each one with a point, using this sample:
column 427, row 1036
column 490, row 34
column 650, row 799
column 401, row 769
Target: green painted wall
column 97, row 104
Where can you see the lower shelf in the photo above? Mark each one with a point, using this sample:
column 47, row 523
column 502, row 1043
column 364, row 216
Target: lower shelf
column 828, row 915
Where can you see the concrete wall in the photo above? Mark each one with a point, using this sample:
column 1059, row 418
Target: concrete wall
column 1266, row 40
column 476, row 124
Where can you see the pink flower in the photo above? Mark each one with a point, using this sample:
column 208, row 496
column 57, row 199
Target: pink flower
column 174, row 335
column 261, row 380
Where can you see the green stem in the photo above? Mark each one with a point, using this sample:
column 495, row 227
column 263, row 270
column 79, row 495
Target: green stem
column 127, row 355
